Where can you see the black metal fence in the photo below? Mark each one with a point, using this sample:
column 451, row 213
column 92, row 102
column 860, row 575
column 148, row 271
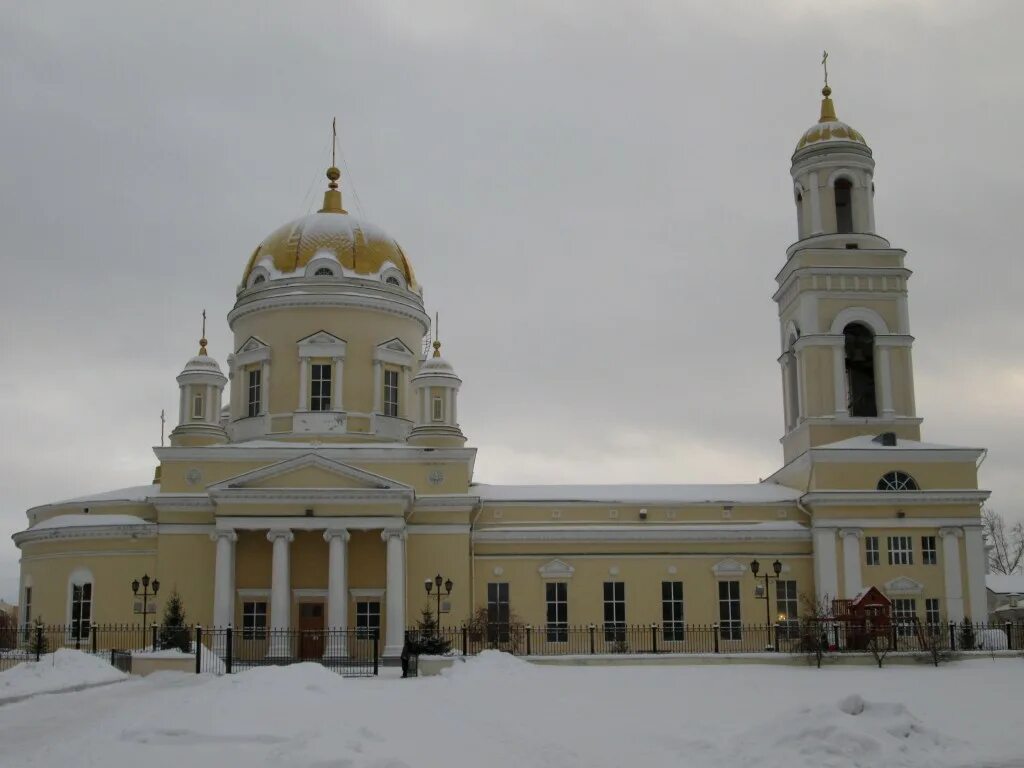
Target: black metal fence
column 785, row 637
column 352, row 653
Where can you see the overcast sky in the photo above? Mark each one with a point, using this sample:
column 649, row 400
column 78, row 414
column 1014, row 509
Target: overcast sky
column 595, row 196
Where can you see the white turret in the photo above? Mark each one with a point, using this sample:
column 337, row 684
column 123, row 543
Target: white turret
column 437, row 391
column 201, row 386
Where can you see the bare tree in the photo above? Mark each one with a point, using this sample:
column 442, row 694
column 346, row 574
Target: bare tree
column 879, row 641
column 814, row 625
column 1006, row 542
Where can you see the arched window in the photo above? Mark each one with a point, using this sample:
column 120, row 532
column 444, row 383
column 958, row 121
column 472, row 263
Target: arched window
column 258, row 279
column 860, row 370
column 897, row 481
column 844, row 206
column 792, row 383
column 324, row 272
column 392, row 280
column 799, row 214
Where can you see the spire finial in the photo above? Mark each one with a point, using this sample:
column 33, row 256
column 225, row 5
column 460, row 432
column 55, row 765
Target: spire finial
column 828, row 109
column 437, row 334
column 202, row 339
column 332, row 197
column 163, row 422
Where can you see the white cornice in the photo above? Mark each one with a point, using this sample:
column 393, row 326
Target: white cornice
column 309, row 495
column 343, row 453
column 192, row 502
column 442, row 528
column 301, row 523
column 138, row 531
column 287, row 294
column 893, row 498
column 446, row 503
column 889, row 455
column 369, row 480
column 895, row 522
column 640, row 534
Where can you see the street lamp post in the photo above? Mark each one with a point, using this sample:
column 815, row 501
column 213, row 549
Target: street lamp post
column 438, row 581
column 145, row 593
column 754, row 568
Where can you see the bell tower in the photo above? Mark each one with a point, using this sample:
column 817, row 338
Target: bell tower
column 842, row 299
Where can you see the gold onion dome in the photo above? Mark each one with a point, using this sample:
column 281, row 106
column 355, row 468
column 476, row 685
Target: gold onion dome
column 829, row 128
column 360, row 248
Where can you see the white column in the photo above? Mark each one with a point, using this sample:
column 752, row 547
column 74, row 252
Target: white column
column 404, row 403
column 885, row 376
column 869, row 195
column 826, row 577
column 280, row 592
column 812, row 181
column 224, row 578
column 954, row 578
column 395, row 596
column 974, row 547
column 801, row 395
column 839, row 376
column 303, row 384
column 339, row 375
column 426, row 415
column 183, row 406
column 851, row 561
column 454, row 412
column 265, row 388
column 337, row 578
column 378, row 384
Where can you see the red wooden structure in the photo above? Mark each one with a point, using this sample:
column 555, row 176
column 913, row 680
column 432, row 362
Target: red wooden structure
column 867, row 615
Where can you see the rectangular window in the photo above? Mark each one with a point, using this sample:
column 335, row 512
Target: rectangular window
column 614, row 611
column 729, row 610
column 901, row 550
column 390, row 392
column 254, row 620
column 367, row 618
column 929, row 555
column 197, row 405
column 255, row 395
column 788, row 609
column 871, row 550
column 556, row 593
column 320, row 387
column 904, row 612
column 437, row 413
column 672, row 610
column 81, row 610
column 497, row 612
column 931, row 612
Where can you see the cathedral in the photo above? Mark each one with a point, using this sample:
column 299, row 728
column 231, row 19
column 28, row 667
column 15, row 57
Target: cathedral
column 332, row 480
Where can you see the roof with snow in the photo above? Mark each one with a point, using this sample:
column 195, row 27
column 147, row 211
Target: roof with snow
column 748, row 493
column 137, row 493
column 83, row 521
column 1005, row 584
column 868, row 442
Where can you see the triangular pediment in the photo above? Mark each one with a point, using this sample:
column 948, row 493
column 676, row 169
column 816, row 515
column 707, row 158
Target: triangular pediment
column 310, row 471
column 556, row 569
column 251, row 345
column 321, row 337
column 395, row 345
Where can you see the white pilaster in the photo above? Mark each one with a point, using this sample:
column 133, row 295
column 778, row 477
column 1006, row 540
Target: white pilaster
column 395, row 595
column 839, row 377
column 265, row 388
column 337, row 403
column 826, row 577
column 869, row 195
column 884, row 373
column 801, row 398
column 812, row 180
column 953, row 576
column 183, row 406
column 378, row 386
column 303, row 384
column 337, row 578
column 224, row 578
column 974, row 547
column 280, row 592
column 449, row 400
column 851, row 562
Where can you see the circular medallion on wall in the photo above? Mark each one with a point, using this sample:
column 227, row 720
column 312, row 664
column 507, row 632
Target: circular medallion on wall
column 193, row 476
column 436, row 477
column 672, row 569
column 499, row 571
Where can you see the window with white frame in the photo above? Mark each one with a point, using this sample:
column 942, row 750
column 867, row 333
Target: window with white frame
column 897, row 481
column 197, row 405
column 931, row 612
column 901, row 550
column 672, row 611
column 929, row 553
column 871, row 556
column 788, row 608
column 320, row 387
column 556, row 596
column 497, row 612
column 254, row 620
column 437, row 409
column 367, row 618
column 81, row 610
column 729, row 610
column 904, row 612
column 255, row 391
column 614, row 611
column 390, row 392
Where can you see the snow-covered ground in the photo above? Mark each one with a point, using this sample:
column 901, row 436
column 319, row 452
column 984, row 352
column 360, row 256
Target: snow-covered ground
column 56, row 671
column 501, row 712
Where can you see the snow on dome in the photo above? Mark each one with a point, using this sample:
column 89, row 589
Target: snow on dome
column 361, row 248
column 202, row 364
column 88, row 521
column 829, row 129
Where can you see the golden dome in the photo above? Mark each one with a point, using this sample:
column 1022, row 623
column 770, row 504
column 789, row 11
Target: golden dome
column 829, row 128
column 360, row 248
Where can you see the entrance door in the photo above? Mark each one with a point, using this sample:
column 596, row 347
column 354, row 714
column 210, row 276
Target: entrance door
column 311, row 627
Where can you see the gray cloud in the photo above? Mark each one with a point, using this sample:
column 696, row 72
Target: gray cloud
column 595, row 195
